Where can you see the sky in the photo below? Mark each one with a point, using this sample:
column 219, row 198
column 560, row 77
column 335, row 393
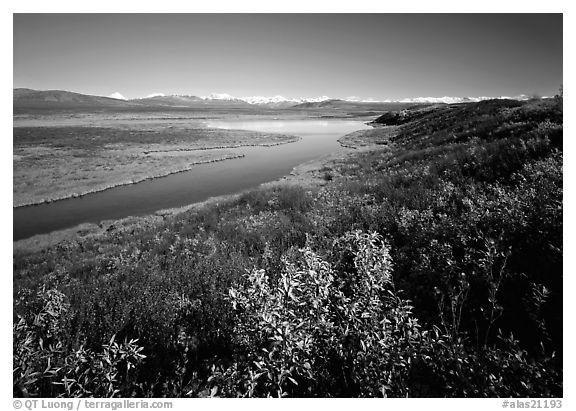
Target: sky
column 368, row 56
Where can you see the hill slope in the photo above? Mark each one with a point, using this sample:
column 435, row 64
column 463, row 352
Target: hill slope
column 27, row 99
column 34, row 99
column 190, row 102
column 336, row 104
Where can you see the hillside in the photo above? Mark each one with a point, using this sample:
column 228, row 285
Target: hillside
column 429, row 266
column 189, row 102
column 28, row 100
column 344, row 105
column 54, row 101
column 50, row 99
column 169, row 100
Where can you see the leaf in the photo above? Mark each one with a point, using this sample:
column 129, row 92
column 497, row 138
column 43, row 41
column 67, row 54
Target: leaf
column 260, row 374
column 214, row 391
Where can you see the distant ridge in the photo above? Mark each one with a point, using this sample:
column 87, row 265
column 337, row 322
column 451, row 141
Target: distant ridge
column 345, row 105
column 35, row 99
column 189, row 101
column 27, row 99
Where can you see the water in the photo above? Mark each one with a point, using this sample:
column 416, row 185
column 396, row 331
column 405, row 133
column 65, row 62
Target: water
column 260, row 165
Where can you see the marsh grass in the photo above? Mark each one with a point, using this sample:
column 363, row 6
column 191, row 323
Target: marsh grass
column 52, row 163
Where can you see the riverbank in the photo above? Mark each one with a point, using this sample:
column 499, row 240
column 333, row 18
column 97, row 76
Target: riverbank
column 309, row 175
column 377, row 136
column 55, row 163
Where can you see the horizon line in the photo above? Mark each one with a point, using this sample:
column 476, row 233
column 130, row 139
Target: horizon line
column 352, row 99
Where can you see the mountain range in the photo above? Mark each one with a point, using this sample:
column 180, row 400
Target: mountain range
column 27, row 99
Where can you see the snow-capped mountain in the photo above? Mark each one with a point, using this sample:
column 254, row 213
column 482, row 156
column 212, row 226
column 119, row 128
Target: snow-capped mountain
column 219, row 96
column 265, row 101
column 279, row 101
column 445, row 99
column 155, row 95
column 453, row 100
column 117, row 96
column 26, row 99
column 268, row 100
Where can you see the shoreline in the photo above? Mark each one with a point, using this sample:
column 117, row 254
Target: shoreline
column 122, row 183
column 146, row 178
column 307, row 174
column 294, row 140
column 373, row 137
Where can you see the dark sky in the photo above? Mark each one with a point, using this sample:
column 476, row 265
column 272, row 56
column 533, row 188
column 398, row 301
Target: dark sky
column 380, row 56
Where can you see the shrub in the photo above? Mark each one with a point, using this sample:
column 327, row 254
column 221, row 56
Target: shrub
column 45, row 367
column 317, row 331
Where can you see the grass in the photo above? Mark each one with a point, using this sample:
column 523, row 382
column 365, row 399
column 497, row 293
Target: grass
column 52, row 163
column 365, row 138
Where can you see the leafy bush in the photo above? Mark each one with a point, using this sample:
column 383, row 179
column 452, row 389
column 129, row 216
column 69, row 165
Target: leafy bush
column 315, row 329
column 44, row 366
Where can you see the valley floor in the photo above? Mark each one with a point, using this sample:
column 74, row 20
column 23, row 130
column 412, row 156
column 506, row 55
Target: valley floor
column 57, row 162
column 311, row 175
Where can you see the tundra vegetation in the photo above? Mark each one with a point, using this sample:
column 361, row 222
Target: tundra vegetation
column 58, row 162
column 428, row 267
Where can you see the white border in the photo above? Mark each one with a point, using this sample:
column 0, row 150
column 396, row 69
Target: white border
column 300, row 6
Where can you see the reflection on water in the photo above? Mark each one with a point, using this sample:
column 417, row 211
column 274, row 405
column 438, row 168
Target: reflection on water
column 260, row 165
column 281, row 126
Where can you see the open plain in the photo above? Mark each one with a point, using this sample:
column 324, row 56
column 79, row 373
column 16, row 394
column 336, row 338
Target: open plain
column 57, row 162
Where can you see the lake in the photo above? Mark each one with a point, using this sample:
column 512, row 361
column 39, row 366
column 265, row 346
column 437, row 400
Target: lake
column 260, row 165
